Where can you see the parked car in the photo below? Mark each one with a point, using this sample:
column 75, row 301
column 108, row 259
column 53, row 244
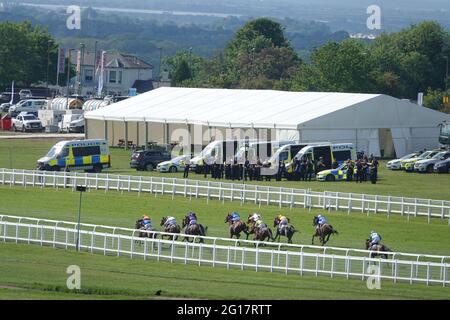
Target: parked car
column 28, row 105
column 4, row 107
column 26, row 122
column 174, row 165
column 396, row 163
column 427, row 165
column 148, row 159
column 338, row 174
column 408, row 164
column 442, row 166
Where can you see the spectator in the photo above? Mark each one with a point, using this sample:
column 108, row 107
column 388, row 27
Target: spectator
column 309, row 169
column 350, row 169
column 359, row 171
column 320, row 165
column 186, row 169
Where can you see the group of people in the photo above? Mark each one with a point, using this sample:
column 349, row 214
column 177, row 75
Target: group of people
column 303, row 169
column 234, row 170
column 366, row 168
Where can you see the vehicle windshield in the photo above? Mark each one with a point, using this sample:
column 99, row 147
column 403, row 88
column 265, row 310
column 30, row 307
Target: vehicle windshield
column 178, row 159
column 207, row 150
column 54, row 151
column 438, row 155
column 29, row 117
column 424, row 155
column 408, row 156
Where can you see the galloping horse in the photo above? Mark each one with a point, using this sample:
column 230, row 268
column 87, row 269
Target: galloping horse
column 171, row 228
column 287, row 231
column 261, row 232
column 323, row 231
column 140, row 226
column 237, row 227
column 195, row 229
column 377, row 248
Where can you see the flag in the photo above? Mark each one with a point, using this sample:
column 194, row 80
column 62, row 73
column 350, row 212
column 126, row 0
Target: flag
column 61, row 60
column 100, row 77
column 78, row 62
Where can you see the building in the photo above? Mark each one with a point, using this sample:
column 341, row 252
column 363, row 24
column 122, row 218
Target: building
column 120, row 74
column 377, row 124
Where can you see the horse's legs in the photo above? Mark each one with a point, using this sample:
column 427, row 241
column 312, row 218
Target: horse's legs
column 312, row 240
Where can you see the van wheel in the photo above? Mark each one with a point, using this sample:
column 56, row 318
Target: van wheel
column 330, row 177
column 149, row 167
column 14, row 128
column 430, row 169
column 55, row 168
column 97, row 169
column 173, row 169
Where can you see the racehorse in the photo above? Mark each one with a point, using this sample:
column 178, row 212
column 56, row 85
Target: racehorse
column 261, row 233
column 287, row 231
column 323, row 232
column 140, row 226
column 237, row 227
column 195, row 229
column 377, row 248
column 171, row 228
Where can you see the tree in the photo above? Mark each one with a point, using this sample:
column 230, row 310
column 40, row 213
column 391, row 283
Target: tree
column 23, row 54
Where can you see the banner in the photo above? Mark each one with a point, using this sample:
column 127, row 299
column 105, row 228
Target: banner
column 61, row 60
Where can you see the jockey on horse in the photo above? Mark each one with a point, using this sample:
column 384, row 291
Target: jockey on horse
column 320, row 222
column 146, row 223
column 192, row 218
column 234, row 217
column 374, row 240
column 170, row 221
column 282, row 222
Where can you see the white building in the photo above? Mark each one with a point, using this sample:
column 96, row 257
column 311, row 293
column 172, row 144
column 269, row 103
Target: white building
column 377, row 124
column 122, row 71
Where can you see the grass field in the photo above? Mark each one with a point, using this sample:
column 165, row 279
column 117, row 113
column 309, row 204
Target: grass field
column 30, row 271
column 112, row 277
column 23, row 154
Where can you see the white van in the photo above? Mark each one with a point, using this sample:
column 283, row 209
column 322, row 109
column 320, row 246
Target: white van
column 261, row 150
column 218, row 151
column 29, row 105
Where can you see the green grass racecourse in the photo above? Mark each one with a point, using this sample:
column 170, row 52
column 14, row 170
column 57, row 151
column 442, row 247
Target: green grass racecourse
column 30, row 271
column 112, row 277
column 23, row 153
column 34, row 272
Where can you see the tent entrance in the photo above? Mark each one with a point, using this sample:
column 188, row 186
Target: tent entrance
column 387, row 149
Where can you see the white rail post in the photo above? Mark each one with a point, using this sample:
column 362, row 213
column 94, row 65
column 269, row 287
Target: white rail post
column 292, row 198
column 415, row 207
column 281, row 199
column 429, row 211
column 140, row 189
column 349, row 203
column 402, row 205
column 442, row 210
column 208, row 192
column 196, row 189
column 362, row 203
column 389, row 207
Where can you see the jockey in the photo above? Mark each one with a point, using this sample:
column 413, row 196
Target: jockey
column 146, row 223
column 321, row 221
column 235, row 217
column 374, row 238
column 170, row 221
column 260, row 224
column 255, row 217
column 192, row 218
column 283, row 222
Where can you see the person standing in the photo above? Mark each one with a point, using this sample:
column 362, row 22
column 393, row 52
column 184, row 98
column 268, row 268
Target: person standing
column 374, row 171
column 350, row 169
column 309, row 169
column 187, row 166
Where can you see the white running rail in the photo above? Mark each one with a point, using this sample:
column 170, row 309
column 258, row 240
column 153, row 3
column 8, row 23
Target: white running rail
column 259, row 195
column 215, row 255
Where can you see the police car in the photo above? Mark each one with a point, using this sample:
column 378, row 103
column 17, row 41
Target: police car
column 174, row 165
column 338, row 174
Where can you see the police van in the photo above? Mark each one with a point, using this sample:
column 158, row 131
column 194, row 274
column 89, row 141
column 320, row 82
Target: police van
column 218, row 151
column 88, row 155
column 261, row 150
column 330, row 153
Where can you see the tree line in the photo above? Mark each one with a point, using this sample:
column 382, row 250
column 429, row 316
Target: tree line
column 260, row 56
